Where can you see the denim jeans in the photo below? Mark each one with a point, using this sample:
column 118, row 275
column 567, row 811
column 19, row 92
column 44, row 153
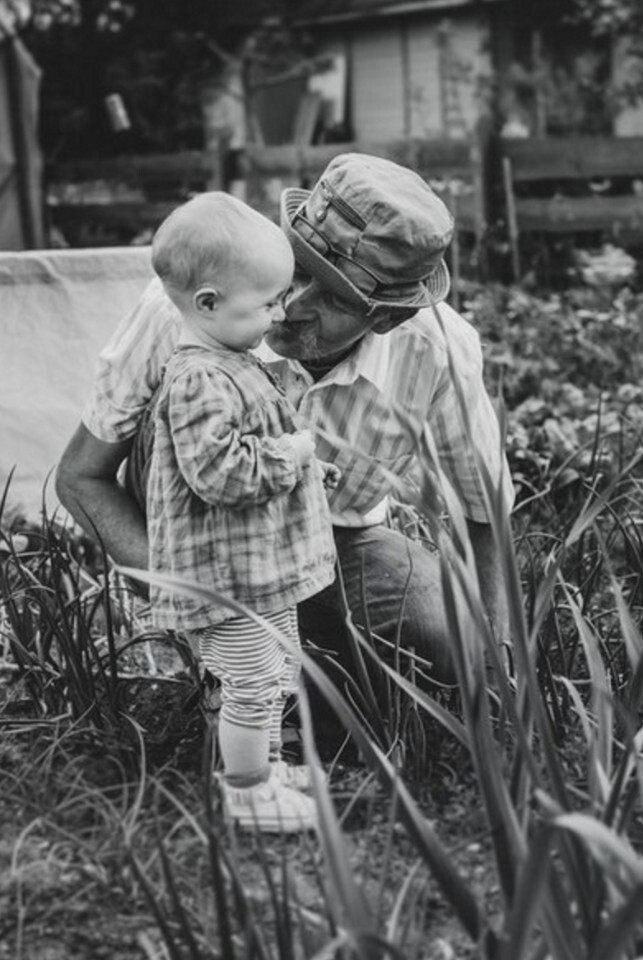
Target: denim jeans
column 386, row 576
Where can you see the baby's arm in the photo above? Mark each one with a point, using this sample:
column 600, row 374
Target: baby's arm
column 219, row 463
column 305, row 449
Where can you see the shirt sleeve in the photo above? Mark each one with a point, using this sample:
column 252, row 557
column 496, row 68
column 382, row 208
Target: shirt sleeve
column 220, row 463
column 465, row 426
column 130, row 366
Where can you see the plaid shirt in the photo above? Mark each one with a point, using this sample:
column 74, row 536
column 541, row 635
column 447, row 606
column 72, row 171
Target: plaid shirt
column 228, row 505
column 407, row 369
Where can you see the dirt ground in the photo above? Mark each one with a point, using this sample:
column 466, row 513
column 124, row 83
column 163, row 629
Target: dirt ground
column 67, row 893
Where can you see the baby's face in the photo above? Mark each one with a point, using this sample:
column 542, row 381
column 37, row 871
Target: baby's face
column 247, row 308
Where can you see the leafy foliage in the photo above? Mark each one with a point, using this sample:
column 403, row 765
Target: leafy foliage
column 159, row 58
column 155, row 56
column 570, row 367
column 610, row 17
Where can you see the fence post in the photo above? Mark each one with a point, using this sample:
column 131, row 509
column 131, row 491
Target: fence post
column 512, row 221
column 217, row 150
column 217, row 133
column 480, row 167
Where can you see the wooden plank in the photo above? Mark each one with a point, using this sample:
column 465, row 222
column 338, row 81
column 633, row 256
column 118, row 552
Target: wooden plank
column 449, row 154
column 291, row 159
column 438, row 162
column 271, row 161
column 463, row 206
column 570, row 214
column 559, row 158
column 439, row 156
column 177, row 166
column 127, row 216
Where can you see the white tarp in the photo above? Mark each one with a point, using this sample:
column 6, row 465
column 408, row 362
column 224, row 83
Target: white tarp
column 57, row 309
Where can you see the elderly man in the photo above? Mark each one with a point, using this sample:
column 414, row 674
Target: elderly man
column 362, row 355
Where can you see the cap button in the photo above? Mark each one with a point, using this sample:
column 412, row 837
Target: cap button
column 321, row 213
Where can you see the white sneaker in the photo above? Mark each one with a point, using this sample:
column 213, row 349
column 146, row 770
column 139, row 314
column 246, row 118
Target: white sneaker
column 270, row 807
column 295, row 776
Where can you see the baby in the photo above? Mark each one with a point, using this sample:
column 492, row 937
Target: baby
column 236, row 499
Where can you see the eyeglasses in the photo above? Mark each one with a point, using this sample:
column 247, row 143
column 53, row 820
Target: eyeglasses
column 360, row 276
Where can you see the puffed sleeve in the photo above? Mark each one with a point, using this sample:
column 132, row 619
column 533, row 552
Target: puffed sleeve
column 129, row 367
column 220, row 463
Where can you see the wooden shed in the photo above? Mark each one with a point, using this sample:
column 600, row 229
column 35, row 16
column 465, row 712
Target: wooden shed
column 411, row 68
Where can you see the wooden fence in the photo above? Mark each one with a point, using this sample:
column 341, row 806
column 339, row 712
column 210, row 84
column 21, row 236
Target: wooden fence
column 107, row 202
column 573, row 185
column 565, row 185
column 455, row 169
column 137, row 192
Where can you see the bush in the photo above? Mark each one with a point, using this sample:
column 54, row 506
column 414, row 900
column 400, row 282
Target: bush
column 569, row 367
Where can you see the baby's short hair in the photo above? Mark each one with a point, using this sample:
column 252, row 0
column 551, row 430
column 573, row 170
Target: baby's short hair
column 203, row 239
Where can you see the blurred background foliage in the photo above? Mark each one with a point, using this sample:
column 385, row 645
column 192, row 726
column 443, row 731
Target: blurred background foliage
column 569, row 365
column 159, row 57
column 154, row 55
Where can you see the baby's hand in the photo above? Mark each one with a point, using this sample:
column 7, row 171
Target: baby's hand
column 330, row 473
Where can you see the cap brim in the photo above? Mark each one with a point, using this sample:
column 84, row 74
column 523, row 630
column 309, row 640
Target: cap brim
column 431, row 290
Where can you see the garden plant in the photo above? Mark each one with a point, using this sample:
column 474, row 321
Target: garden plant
column 500, row 819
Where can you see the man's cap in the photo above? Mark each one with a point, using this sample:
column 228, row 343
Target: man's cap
column 372, row 232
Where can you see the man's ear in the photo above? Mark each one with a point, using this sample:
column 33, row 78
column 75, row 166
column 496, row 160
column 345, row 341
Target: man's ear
column 390, row 319
column 206, row 299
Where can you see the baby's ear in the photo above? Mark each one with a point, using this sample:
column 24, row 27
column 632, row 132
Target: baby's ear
column 206, row 299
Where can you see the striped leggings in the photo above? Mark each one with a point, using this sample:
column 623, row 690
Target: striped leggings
column 256, row 675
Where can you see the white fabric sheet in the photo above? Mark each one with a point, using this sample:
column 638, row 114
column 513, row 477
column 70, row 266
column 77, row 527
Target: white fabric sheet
column 57, row 309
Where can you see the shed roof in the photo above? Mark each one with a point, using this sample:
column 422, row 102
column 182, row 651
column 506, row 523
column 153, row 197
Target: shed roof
column 335, row 11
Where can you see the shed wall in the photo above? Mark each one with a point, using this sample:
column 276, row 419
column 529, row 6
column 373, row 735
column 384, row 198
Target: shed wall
column 416, row 77
column 377, row 83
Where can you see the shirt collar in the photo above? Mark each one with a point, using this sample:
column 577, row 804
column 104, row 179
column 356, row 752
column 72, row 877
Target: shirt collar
column 369, row 360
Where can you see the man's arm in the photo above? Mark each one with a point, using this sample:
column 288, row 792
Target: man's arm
column 87, row 486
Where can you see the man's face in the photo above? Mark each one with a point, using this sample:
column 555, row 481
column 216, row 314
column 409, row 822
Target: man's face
column 317, row 324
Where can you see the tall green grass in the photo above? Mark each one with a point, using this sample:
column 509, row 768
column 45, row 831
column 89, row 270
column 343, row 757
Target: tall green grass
column 570, row 878
column 66, row 630
column 556, row 744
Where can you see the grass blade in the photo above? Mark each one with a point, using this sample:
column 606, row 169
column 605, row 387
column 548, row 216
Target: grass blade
column 453, row 885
